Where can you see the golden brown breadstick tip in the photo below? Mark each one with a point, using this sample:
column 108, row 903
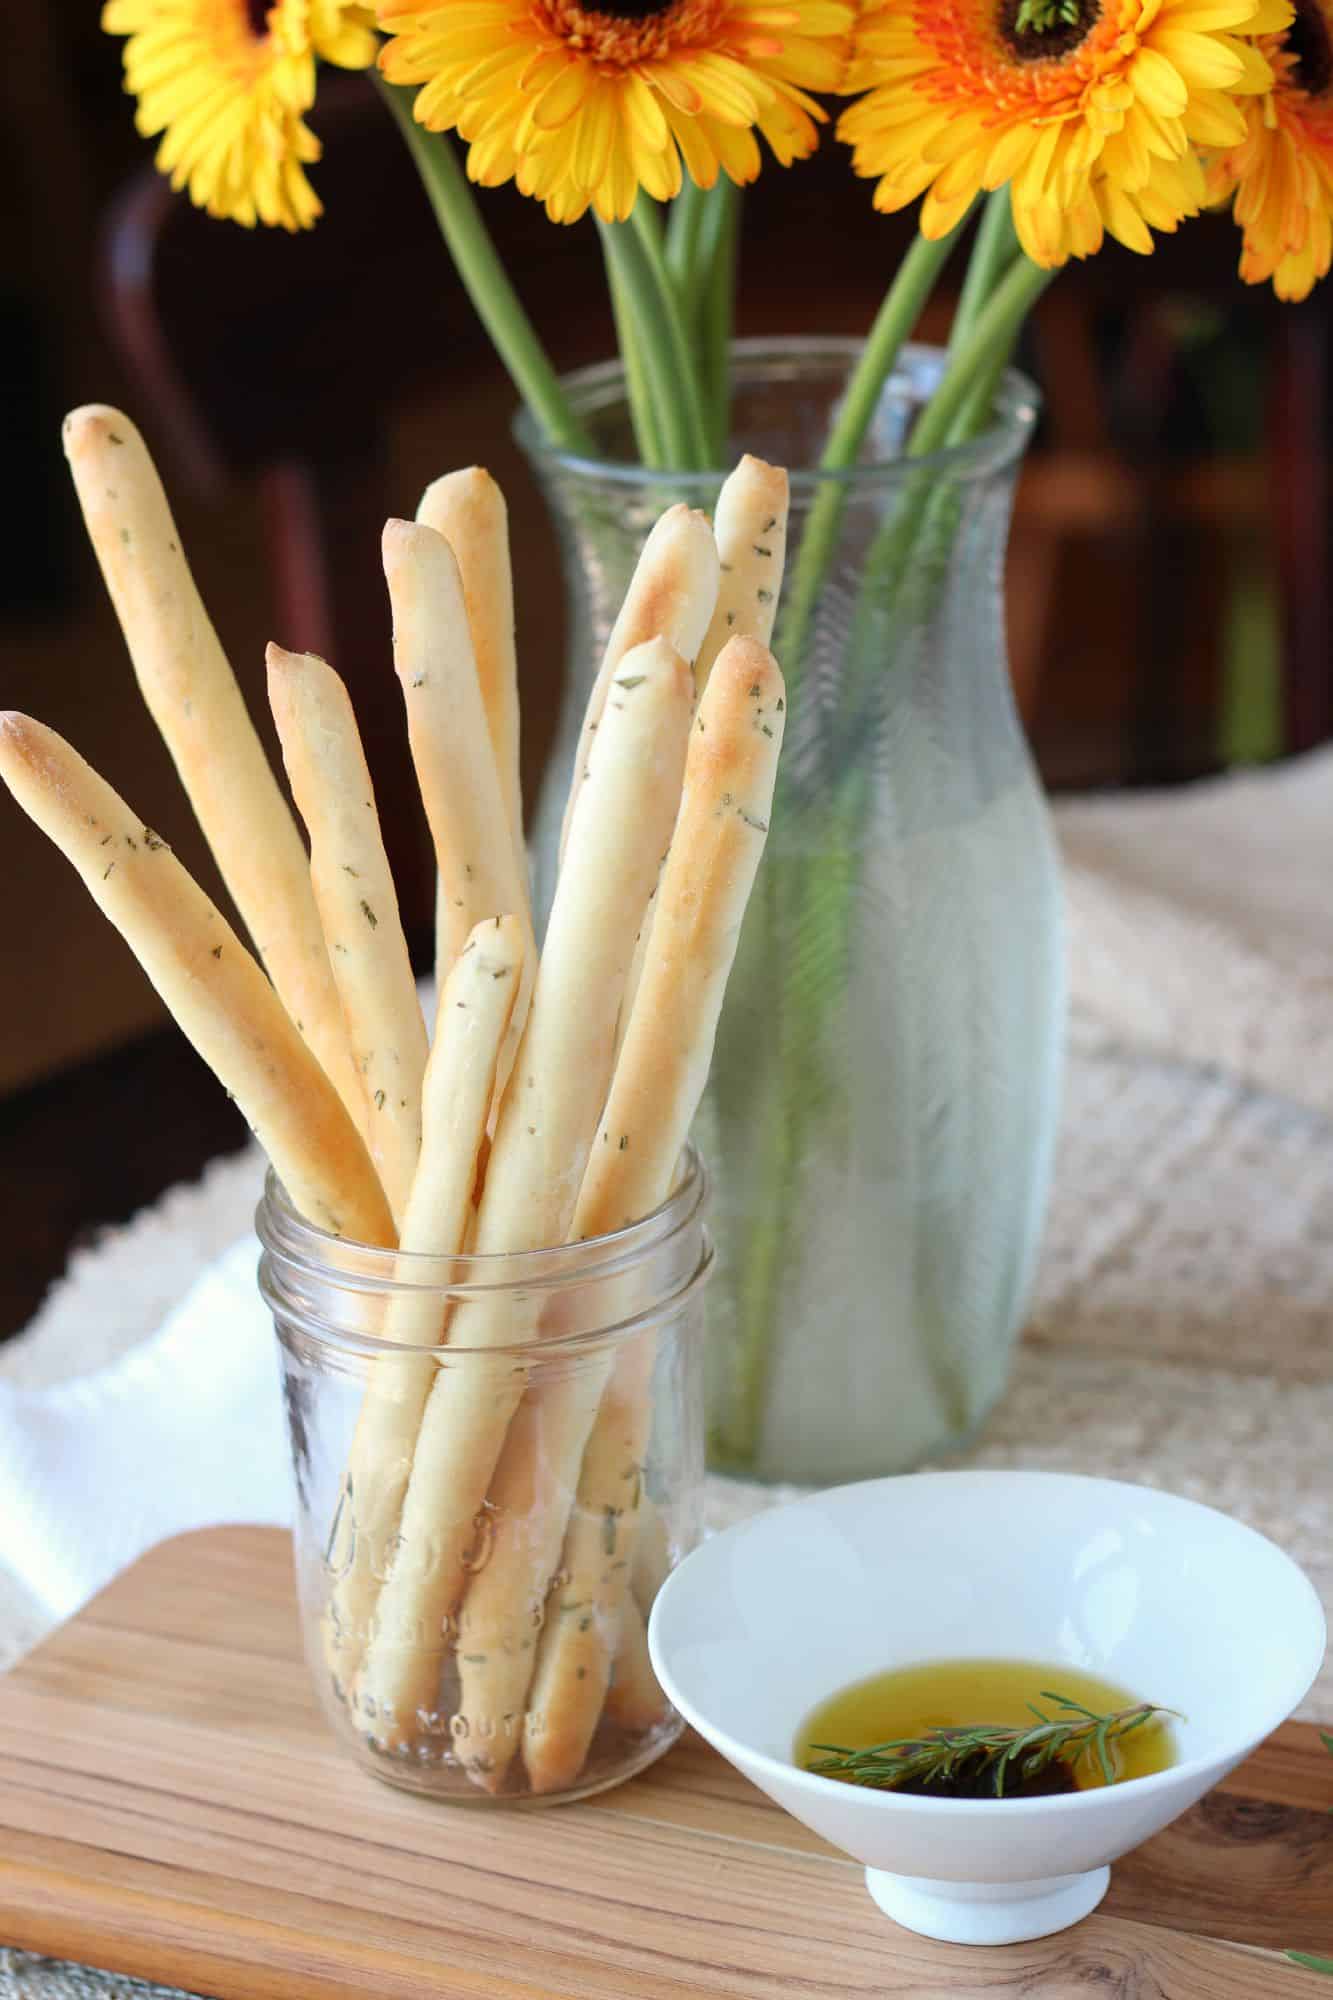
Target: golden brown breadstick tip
column 750, row 527
column 358, row 907
column 219, row 996
column 468, row 509
column 671, row 596
column 193, row 698
column 480, row 870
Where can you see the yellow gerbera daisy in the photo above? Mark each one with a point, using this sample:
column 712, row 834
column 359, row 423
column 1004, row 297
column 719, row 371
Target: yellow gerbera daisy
column 1282, row 171
column 1091, row 110
column 582, row 106
column 227, row 83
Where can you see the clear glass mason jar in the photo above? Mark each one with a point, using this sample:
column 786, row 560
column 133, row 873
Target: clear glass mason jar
column 881, row 1110
column 480, row 1531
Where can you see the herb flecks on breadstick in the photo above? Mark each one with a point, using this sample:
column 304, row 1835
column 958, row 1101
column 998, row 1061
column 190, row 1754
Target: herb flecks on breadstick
column 215, row 989
column 480, row 868
column 548, row 1119
column 659, row 1078
column 475, row 1009
column 671, row 595
column 468, row 509
column 750, row 526
column 193, row 698
column 358, row 907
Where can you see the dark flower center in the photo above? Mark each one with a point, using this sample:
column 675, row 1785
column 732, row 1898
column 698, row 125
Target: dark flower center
column 633, row 10
column 1038, row 30
column 256, row 14
column 1307, row 41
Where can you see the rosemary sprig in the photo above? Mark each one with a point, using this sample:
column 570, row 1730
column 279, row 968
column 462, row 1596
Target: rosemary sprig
column 1004, row 1750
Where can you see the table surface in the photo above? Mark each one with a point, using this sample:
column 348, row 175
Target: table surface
column 171, row 1804
column 1180, row 1330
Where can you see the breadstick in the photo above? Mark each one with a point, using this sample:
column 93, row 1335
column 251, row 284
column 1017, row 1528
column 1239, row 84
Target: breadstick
column 548, row 1118
column 451, row 749
column 634, row 1701
column 659, row 1079
column 193, row 698
column 671, row 594
column 358, row 908
column 208, row 979
column 468, row 509
column 652, row 1556
column 474, row 1013
column 750, row 526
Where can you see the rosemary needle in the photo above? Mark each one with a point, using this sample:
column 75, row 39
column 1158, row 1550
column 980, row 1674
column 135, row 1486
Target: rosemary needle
column 938, row 1756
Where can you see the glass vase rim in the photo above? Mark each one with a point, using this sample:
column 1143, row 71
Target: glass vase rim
column 1018, row 401
column 365, row 1270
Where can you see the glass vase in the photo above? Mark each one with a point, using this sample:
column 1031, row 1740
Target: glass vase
column 884, row 1094
column 480, row 1530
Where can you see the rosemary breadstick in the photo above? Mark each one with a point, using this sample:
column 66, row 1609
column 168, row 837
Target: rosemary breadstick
column 634, row 1701
column 451, row 748
column 468, row 509
column 193, row 698
column 652, row 1556
column 208, row 979
column 659, row 1079
column 750, row 528
column 548, row 1118
column 358, row 908
column 475, row 1009
column 671, row 595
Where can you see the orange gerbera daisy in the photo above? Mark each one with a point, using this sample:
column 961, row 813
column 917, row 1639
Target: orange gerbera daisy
column 227, row 84
column 1282, row 171
column 582, row 106
column 1091, row 110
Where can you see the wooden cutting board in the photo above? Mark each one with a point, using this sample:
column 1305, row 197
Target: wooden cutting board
column 171, row 1805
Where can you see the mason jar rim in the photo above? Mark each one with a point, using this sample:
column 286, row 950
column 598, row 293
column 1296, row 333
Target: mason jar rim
column 300, row 1249
column 776, row 357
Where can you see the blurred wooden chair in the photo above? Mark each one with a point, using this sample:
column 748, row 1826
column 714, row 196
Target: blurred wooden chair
column 1173, row 545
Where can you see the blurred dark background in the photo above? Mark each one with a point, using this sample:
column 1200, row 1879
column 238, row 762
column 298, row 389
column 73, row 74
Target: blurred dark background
column 1168, row 583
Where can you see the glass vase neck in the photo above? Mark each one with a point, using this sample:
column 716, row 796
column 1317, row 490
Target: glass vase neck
column 785, row 392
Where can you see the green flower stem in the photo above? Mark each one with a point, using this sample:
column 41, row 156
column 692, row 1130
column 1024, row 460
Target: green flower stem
column 820, row 888
column 992, row 253
column 648, row 435
column 718, row 247
column 684, row 229
column 975, row 414
column 494, row 299
column 632, row 287
column 902, row 307
column 911, row 287
column 905, row 568
column 645, row 230
column 992, row 332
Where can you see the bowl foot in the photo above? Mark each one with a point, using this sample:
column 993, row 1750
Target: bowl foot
column 987, row 1912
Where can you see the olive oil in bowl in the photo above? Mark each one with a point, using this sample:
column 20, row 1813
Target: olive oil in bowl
column 985, row 1729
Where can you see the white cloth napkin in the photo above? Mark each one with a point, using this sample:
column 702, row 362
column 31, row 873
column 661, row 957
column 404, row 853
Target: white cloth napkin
column 184, row 1431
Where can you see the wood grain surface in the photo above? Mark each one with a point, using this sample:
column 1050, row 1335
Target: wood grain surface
column 171, row 1805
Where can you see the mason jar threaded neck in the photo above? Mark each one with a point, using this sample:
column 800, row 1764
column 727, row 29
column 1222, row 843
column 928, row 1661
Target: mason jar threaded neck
column 599, row 1290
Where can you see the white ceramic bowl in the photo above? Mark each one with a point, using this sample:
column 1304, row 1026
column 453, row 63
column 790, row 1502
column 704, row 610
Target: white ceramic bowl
column 1169, row 1599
